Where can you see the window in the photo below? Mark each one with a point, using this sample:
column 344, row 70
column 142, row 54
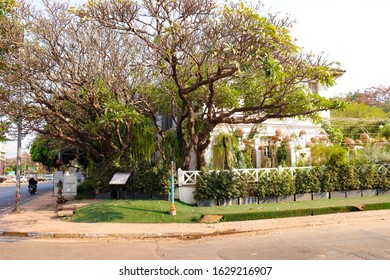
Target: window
column 313, row 86
column 166, row 123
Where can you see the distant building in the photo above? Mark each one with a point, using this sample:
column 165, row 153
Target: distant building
column 2, row 157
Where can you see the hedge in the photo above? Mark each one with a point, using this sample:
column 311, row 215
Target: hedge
column 343, row 177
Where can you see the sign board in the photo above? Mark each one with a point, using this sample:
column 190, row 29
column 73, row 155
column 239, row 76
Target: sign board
column 70, row 185
column 119, row 179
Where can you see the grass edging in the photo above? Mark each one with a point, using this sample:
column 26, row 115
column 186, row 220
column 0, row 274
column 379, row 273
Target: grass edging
column 376, row 206
column 235, row 217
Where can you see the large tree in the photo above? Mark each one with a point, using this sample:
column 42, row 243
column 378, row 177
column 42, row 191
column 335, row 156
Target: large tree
column 9, row 37
column 217, row 63
column 98, row 76
column 376, row 96
column 74, row 81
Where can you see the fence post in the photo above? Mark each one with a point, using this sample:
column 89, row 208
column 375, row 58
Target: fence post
column 180, row 176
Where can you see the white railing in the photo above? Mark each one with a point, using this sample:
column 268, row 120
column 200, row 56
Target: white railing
column 189, row 178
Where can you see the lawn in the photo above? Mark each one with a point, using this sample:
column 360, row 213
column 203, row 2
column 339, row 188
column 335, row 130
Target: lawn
column 157, row 211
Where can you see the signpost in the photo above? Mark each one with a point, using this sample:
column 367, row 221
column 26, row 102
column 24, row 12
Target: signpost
column 119, row 179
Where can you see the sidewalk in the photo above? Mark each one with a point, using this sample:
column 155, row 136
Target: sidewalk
column 38, row 219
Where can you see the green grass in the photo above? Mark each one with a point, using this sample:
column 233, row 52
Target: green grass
column 157, row 211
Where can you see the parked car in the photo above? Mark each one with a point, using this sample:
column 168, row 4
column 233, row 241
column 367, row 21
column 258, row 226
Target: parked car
column 2, row 179
column 11, row 179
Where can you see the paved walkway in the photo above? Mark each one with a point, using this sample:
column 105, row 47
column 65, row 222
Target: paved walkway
column 38, row 218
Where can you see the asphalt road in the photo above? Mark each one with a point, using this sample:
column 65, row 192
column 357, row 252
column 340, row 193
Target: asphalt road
column 8, row 192
column 361, row 240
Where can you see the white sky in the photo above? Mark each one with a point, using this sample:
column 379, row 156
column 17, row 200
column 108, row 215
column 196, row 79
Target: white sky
column 353, row 32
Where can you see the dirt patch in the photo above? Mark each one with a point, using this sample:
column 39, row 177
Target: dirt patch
column 207, row 219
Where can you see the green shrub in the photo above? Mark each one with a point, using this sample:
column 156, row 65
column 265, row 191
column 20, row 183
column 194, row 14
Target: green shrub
column 327, row 177
column 383, row 179
column 86, row 189
column 149, row 177
column 368, row 176
column 218, row 185
column 276, row 184
column 144, row 176
column 348, row 178
column 308, row 180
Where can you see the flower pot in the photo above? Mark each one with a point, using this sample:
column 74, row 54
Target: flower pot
column 206, row 203
column 303, row 196
column 285, row 198
column 370, row 192
column 267, row 199
column 337, row 194
column 320, row 195
column 353, row 193
column 384, row 192
column 227, row 201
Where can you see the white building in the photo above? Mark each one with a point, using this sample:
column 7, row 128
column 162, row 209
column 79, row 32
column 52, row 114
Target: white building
column 299, row 135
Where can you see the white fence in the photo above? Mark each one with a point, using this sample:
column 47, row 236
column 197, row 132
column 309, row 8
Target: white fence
column 186, row 180
column 189, row 178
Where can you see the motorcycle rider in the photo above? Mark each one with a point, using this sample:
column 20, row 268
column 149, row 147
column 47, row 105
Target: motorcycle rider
column 33, row 182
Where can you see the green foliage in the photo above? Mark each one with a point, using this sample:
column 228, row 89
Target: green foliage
column 225, row 146
column 149, row 177
column 347, row 178
column 376, row 206
column 383, row 179
column 368, row 176
column 287, row 213
column 277, row 183
column 4, row 126
column 282, row 155
column 342, row 177
column 359, row 111
column 172, row 145
column 335, row 133
column 374, row 153
column 145, row 176
column 385, row 131
column 218, row 185
column 147, row 211
column 243, row 159
column 328, row 155
column 308, row 180
column 86, row 189
column 41, row 151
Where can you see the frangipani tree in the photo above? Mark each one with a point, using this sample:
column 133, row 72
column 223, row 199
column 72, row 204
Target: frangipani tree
column 76, row 81
column 218, row 63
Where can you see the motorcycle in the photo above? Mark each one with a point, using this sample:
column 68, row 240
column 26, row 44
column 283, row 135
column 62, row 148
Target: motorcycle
column 32, row 189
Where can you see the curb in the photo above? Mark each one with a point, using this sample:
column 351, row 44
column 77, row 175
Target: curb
column 189, row 235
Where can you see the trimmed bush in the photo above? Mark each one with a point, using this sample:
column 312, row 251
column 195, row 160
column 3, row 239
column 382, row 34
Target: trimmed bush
column 376, row 206
column 287, row 213
column 218, row 185
column 86, row 189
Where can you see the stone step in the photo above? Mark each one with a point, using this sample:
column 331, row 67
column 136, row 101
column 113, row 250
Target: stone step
column 65, row 213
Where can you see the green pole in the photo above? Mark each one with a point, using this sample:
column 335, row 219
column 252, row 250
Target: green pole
column 172, row 210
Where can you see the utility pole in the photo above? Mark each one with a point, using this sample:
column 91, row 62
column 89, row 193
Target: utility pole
column 18, row 161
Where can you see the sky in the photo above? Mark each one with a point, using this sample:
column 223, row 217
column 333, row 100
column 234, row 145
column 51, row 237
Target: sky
column 352, row 32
